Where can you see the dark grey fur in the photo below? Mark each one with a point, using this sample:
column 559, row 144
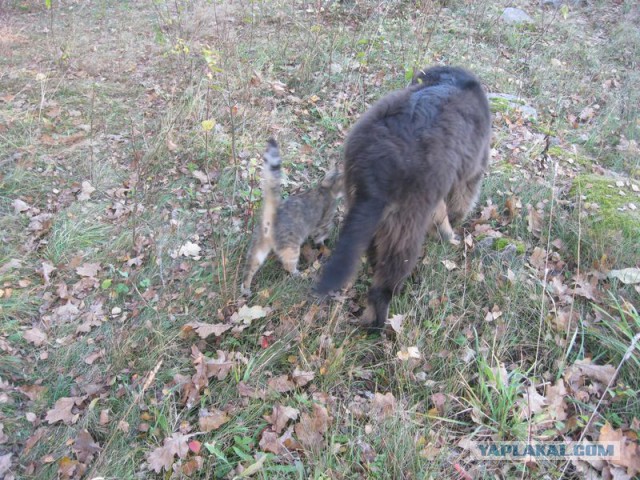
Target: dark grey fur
column 417, row 155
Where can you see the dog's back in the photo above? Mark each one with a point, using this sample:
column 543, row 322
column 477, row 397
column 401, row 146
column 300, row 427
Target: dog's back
column 415, row 150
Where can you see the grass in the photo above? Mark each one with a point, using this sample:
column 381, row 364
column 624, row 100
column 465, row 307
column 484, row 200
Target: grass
column 137, row 81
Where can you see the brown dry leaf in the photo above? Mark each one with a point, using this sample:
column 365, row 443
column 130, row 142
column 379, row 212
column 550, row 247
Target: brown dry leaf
column 586, row 114
column 301, row 378
column 245, row 390
column 629, row 448
column 85, row 446
column 212, row 419
column 279, row 88
column 281, row 416
column 47, row 270
column 87, row 190
column 33, row 392
column 312, row 427
column 65, row 313
column 67, row 468
column 382, row 405
column 162, row 457
column 630, row 276
column 538, row 258
column 243, row 317
column 489, row 212
column 123, row 426
column 35, row 336
column 20, row 206
column 449, row 265
column 513, row 206
column 62, row 411
column 586, row 288
column 104, row 416
column 270, row 442
column 206, row 329
column 3, row 436
column 396, row 323
column 281, row 384
column 564, row 319
column 439, row 401
column 88, row 269
column 200, row 176
column 410, row 352
column 34, row 439
column 574, row 375
column 192, row 465
column 92, row 357
column 532, row 402
column 556, row 400
column 5, row 464
column 534, row 219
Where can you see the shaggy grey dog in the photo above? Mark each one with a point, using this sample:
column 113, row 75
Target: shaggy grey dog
column 413, row 162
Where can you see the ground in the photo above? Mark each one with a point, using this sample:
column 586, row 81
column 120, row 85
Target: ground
column 130, row 142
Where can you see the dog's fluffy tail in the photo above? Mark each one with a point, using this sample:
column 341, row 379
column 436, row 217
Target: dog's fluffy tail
column 355, row 236
column 271, row 183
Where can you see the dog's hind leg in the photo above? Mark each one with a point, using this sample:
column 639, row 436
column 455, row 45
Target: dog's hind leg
column 441, row 226
column 398, row 244
column 463, row 198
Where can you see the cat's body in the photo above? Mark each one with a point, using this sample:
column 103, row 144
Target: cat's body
column 413, row 162
column 285, row 225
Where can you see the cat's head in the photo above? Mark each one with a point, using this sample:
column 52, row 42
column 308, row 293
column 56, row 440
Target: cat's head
column 333, row 182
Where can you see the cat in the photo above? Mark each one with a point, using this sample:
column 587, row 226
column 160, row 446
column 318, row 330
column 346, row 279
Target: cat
column 414, row 163
column 285, row 225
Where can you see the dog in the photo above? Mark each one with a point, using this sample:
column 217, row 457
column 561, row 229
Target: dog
column 413, row 163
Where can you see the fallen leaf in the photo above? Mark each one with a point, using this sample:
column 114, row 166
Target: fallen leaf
column 85, row 446
column 410, row 352
column 312, row 427
column 630, row 276
column 201, row 177
column 62, row 411
column 556, row 399
column 20, row 206
column 538, row 258
column 162, row 457
column 281, row 384
column 104, row 417
column 247, row 314
column 192, row 465
column 382, row 405
column 212, row 419
column 35, row 336
column 280, row 417
column 532, row 402
column 534, row 219
column 396, row 322
column 629, row 457
column 189, row 249
column 88, row 269
column 5, row 464
column 270, row 442
column 87, row 190
column 449, row 265
column 47, row 269
column 301, row 378
column 574, row 375
column 253, row 468
column 204, row 330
